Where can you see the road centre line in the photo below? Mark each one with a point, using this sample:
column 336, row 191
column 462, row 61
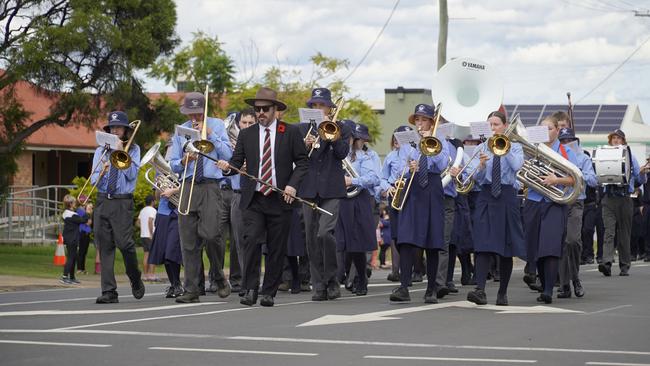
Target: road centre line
column 616, row 364
column 449, row 359
column 64, row 300
column 9, row 341
column 102, row 311
column 209, row 350
column 609, row 309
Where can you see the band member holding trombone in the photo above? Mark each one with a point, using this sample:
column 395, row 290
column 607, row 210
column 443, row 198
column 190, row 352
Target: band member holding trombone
column 497, row 227
column 113, row 216
column 275, row 153
column 200, row 203
column 325, row 185
column 421, row 222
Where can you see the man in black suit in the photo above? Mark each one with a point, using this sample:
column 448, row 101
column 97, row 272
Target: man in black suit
column 275, row 153
column 325, row 185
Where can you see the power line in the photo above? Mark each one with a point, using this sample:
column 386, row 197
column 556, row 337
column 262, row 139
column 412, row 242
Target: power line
column 591, row 6
column 373, row 42
column 614, row 71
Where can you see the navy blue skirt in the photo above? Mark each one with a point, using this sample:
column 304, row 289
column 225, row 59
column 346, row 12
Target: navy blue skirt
column 545, row 226
column 296, row 243
column 422, row 219
column 393, row 215
column 497, row 223
column 461, row 235
column 166, row 244
column 355, row 229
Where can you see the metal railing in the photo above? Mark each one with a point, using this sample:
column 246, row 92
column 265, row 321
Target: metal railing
column 32, row 212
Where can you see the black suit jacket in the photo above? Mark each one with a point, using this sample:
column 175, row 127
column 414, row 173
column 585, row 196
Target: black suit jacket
column 289, row 149
column 325, row 177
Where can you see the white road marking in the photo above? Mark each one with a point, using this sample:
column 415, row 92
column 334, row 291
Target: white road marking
column 609, row 309
column 450, row 359
column 634, row 266
column 234, row 351
column 616, row 363
column 389, row 314
column 428, row 345
column 102, row 311
column 64, row 300
column 8, row 341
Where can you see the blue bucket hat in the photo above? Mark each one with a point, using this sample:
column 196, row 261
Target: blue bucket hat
column 117, row 118
column 193, row 103
column 361, row 132
column 422, row 109
column 403, row 128
column 567, row 134
column 321, row 95
column 349, row 125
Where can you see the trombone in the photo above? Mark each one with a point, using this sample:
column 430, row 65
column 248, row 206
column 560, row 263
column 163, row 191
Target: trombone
column 431, row 145
column 120, row 159
column 204, row 146
column 327, row 130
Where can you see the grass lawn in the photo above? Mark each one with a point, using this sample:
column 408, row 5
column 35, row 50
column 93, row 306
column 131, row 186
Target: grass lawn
column 37, row 261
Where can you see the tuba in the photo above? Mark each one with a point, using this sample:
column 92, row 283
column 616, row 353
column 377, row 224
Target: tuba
column 540, row 161
column 164, row 178
column 232, row 129
column 353, row 191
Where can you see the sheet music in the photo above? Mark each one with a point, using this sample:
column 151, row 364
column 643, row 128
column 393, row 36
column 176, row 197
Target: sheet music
column 538, row 134
column 444, row 131
column 480, row 129
column 104, row 138
column 407, row 137
column 188, row 133
column 307, row 115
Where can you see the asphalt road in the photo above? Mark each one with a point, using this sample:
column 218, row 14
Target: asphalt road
column 609, row 326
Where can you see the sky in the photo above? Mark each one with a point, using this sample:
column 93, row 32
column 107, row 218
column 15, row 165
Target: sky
column 541, row 48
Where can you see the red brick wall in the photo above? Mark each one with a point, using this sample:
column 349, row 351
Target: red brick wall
column 23, row 178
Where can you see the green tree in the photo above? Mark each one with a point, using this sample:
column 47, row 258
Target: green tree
column 79, row 53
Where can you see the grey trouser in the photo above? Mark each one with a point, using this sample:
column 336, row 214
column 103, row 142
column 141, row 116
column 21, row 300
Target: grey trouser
column 572, row 251
column 114, row 228
column 443, row 254
column 201, row 227
column 229, row 225
column 617, row 217
column 321, row 243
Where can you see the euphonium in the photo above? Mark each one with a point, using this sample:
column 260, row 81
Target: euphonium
column 121, row 159
column 232, row 129
column 164, row 178
column 352, row 191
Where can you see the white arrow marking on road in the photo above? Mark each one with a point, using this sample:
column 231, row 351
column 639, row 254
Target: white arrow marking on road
column 389, row 314
column 101, row 311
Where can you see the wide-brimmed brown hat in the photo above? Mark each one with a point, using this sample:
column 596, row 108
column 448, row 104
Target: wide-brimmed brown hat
column 269, row 95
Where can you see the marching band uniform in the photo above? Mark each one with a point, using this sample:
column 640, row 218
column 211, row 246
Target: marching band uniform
column 166, row 246
column 421, row 222
column 446, row 285
column 113, row 217
column 201, row 226
column 592, row 220
column 572, row 251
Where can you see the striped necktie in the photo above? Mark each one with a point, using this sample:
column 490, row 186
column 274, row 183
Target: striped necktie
column 112, row 180
column 423, row 171
column 496, row 177
column 199, row 169
column 267, row 171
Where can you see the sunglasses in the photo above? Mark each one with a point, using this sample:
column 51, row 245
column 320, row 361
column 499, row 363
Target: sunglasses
column 263, row 108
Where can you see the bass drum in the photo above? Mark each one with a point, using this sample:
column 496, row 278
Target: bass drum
column 612, row 165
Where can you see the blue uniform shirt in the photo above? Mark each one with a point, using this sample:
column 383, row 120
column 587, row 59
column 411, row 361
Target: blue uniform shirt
column 392, row 168
column 367, row 166
column 510, row 164
column 125, row 178
column 450, row 189
column 533, row 195
column 436, row 163
column 588, row 173
column 163, row 206
column 218, row 136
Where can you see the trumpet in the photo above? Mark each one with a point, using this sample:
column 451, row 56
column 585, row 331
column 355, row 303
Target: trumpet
column 352, row 191
column 328, row 130
column 99, row 178
column 431, row 145
column 204, row 146
column 121, row 159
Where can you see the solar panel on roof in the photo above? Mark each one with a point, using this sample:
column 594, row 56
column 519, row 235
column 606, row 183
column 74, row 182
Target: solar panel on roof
column 587, row 118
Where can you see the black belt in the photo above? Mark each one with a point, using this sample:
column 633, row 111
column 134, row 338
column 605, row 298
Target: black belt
column 110, row 196
column 205, row 180
column 236, row 190
column 226, row 188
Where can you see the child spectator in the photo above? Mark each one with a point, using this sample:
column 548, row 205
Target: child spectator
column 84, row 236
column 384, row 244
column 145, row 221
column 71, row 222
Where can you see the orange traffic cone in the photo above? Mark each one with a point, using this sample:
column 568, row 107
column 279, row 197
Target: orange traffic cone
column 59, row 254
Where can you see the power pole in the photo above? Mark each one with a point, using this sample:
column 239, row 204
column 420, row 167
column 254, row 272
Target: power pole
column 442, row 35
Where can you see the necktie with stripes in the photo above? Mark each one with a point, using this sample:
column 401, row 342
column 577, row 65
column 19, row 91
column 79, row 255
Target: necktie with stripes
column 267, row 171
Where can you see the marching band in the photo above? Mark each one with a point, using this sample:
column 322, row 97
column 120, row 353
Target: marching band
column 267, row 183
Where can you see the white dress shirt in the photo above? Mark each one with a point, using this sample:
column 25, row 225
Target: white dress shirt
column 272, row 128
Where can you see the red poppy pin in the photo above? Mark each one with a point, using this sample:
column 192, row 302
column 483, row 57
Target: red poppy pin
column 281, row 127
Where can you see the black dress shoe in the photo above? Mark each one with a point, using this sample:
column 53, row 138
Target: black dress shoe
column 267, row 300
column 212, row 288
column 605, row 269
column 137, row 289
column 235, row 287
column 393, row 277
column 536, row 286
column 452, row 288
column 187, row 298
column 529, row 278
column 362, row 291
column 477, row 296
column 502, row 300
column 284, row 287
column 295, row 286
column 577, row 288
column 109, row 297
column 442, row 292
column 249, row 298
column 223, row 289
column 202, row 291
column 242, row 292
column 319, row 296
column 624, row 273
column 400, row 294
column 333, row 291
column 430, row 297
column 564, row 292
column 305, row 287
column 545, row 299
